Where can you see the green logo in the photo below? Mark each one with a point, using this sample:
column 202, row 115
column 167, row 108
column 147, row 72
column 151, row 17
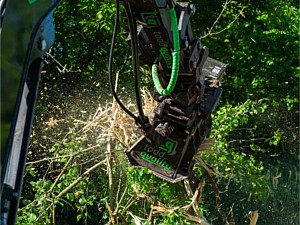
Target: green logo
column 150, row 18
column 156, row 155
column 168, row 146
column 31, row 1
column 155, row 160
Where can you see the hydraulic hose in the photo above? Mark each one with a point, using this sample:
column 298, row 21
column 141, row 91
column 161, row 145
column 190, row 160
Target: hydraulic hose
column 110, row 62
column 175, row 63
column 135, row 62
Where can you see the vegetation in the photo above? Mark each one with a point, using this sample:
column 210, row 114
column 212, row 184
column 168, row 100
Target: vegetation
column 76, row 169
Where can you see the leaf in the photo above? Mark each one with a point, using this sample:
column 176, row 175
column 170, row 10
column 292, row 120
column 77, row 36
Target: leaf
column 81, row 201
column 78, row 217
column 32, row 217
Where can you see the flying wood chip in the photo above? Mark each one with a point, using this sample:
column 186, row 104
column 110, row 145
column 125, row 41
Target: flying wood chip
column 52, row 122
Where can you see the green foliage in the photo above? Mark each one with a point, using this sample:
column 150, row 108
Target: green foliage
column 48, row 201
column 152, row 190
column 229, row 117
column 83, row 38
column 175, row 217
column 239, row 166
column 262, row 50
column 142, row 181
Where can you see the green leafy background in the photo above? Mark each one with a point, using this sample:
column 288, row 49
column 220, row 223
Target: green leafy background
column 256, row 124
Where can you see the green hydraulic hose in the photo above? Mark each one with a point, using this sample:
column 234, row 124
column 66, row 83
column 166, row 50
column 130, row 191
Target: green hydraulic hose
column 175, row 63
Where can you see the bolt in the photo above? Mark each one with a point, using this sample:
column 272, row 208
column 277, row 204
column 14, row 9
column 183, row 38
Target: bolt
column 42, row 44
column 15, row 195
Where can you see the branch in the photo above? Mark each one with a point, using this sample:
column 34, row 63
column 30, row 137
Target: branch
column 94, row 44
column 128, row 204
column 194, row 204
column 208, row 168
column 110, row 181
column 210, row 31
column 229, row 25
column 195, row 197
column 79, row 164
column 243, row 140
column 253, row 217
column 220, row 15
column 63, row 68
column 63, row 156
column 61, row 173
column 80, row 178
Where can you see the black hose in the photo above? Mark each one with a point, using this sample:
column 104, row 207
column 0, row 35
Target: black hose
column 135, row 61
column 110, row 61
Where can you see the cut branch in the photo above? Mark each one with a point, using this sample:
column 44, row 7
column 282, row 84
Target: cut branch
column 210, row 30
column 80, row 178
column 63, row 156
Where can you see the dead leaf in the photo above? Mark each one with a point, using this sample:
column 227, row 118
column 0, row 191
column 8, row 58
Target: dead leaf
column 253, row 217
column 52, row 122
column 242, row 14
